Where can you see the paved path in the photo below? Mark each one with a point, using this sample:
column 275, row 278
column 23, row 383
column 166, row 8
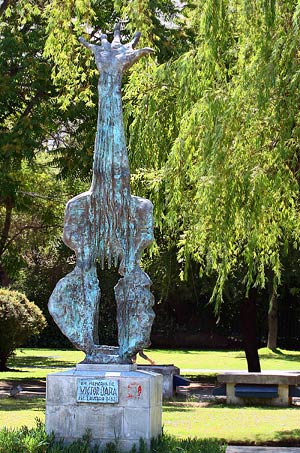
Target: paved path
column 233, row 449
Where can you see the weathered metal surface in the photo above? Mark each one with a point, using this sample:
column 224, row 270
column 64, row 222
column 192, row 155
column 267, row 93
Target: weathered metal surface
column 109, row 225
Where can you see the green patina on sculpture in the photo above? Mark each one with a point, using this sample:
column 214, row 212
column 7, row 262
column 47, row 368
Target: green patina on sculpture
column 108, row 224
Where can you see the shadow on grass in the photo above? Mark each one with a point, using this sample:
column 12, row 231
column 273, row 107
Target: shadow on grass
column 253, row 406
column 275, row 356
column 39, row 362
column 209, row 378
column 280, row 356
column 178, row 409
column 20, row 404
column 280, row 439
column 33, row 385
column 288, row 438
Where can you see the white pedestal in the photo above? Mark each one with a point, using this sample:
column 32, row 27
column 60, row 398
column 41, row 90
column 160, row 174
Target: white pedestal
column 168, row 372
column 137, row 414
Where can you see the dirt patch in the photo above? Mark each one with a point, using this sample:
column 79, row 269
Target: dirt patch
column 27, row 389
column 199, row 393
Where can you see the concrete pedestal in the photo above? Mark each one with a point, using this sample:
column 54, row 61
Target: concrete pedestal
column 135, row 413
column 168, row 372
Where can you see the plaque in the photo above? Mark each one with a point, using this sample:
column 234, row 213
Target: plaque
column 97, row 391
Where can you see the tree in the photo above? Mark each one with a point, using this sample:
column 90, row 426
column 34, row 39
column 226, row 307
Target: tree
column 26, row 116
column 32, row 198
column 57, row 114
column 73, row 69
column 217, row 144
column 222, row 99
column 219, row 134
column 19, row 319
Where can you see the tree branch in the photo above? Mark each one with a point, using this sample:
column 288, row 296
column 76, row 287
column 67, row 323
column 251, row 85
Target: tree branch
column 4, row 5
column 37, row 195
column 27, row 227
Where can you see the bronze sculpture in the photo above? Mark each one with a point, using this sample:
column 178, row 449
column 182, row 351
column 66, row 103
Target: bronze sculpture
column 108, row 224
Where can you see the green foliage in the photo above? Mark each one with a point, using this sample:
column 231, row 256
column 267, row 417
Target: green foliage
column 66, row 21
column 45, row 264
column 25, row 87
column 31, row 204
column 35, row 216
column 219, row 140
column 73, row 67
column 19, row 319
column 32, row 197
column 169, row 444
column 24, row 440
column 35, row 440
column 108, row 329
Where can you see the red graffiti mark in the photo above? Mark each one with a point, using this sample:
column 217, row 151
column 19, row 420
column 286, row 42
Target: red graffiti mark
column 134, row 390
column 129, row 394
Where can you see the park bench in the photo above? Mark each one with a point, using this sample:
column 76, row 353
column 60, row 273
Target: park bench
column 268, row 388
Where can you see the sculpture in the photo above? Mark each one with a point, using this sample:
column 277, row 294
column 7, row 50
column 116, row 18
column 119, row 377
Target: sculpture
column 107, row 224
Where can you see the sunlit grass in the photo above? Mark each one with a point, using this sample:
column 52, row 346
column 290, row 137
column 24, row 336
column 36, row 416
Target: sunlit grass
column 182, row 419
column 225, row 360
column 232, row 423
column 37, row 363
column 188, row 419
column 18, row 412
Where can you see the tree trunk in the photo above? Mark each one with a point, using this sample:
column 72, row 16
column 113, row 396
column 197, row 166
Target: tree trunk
column 248, row 327
column 273, row 321
column 4, row 279
column 3, row 361
column 4, row 5
column 9, row 205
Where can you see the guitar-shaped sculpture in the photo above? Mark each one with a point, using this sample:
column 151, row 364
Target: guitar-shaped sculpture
column 107, row 224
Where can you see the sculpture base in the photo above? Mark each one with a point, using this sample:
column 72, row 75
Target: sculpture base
column 105, row 355
column 168, row 372
column 116, row 403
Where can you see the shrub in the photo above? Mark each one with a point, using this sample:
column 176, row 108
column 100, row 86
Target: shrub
column 19, row 319
column 21, row 440
column 35, row 440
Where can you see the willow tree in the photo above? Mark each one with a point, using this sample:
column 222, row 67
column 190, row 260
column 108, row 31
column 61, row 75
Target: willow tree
column 213, row 131
column 67, row 20
column 218, row 142
column 74, row 72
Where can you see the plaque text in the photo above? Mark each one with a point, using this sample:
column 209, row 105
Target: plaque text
column 97, row 391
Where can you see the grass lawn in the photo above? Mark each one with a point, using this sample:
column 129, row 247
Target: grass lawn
column 232, row 423
column 189, row 419
column 37, row 363
column 18, row 412
column 225, row 360
column 183, row 419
